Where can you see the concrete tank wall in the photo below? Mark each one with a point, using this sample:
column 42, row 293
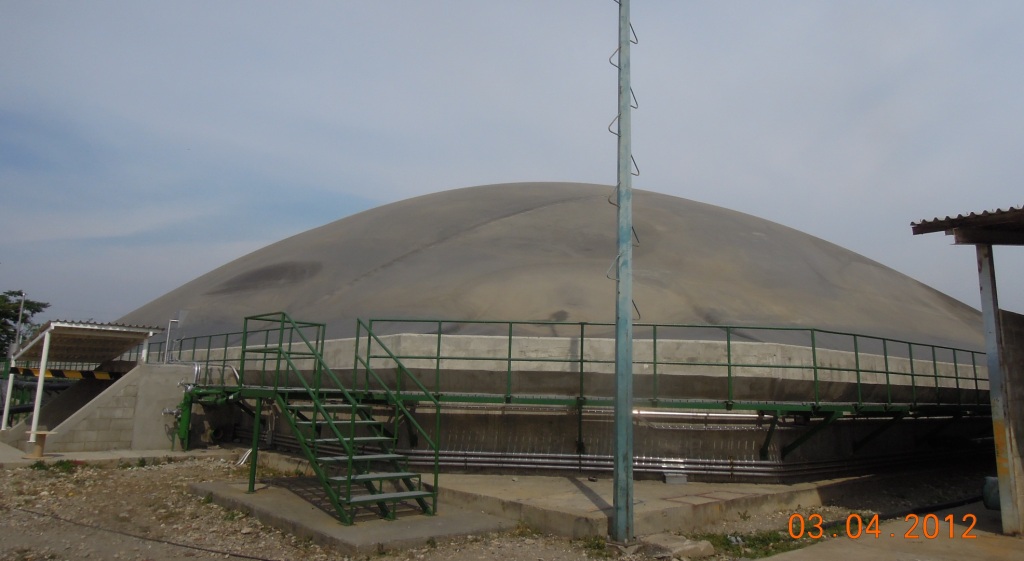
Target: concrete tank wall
column 673, row 369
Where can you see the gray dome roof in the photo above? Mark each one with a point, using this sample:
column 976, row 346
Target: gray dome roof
column 542, row 251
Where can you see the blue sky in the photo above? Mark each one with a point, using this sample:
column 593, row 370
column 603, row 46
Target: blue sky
column 144, row 144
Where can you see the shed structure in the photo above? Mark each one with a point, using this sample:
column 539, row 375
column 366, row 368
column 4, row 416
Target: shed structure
column 75, row 341
column 1004, row 344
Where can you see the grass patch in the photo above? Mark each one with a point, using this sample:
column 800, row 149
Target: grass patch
column 523, row 530
column 233, row 515
column 753, row 546
column 64, row 466
column 593, row 546
column 60, row 466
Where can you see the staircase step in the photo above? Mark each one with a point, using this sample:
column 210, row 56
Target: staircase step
column 377, row 476
column 340, row 422
column 388, row 497
column 327, row 406
column 363, row 458
column 354, row 440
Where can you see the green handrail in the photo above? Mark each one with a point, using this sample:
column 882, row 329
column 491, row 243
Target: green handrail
column 896, row 360
column 858, row 354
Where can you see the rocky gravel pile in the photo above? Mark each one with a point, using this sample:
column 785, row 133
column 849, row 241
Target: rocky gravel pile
column 138, row 512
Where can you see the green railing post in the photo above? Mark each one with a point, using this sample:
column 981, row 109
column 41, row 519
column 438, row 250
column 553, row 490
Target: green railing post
column 956, row 379
column 370, row 336
column 977, row 389
column 437, row 360
column 581, row 362
column 913, row 376
column 254, row 454
column 856, row 365
column 508, row 379
column 278, row 355
column 241, row 350
column 728, row 365
column 814, row 360
column 654, row 358
column 888, row 386
column 935, row 370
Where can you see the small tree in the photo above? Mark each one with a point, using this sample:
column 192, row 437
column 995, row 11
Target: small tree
column 10, row 304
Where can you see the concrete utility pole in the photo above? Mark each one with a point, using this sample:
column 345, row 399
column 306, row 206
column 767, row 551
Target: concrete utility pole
column 622, row 523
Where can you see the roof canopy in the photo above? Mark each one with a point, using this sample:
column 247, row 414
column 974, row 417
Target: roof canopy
column 998, row 227
column 72, row 341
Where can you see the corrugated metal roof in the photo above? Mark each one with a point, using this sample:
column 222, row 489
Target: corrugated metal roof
column 83, row 341
column 1011, row 219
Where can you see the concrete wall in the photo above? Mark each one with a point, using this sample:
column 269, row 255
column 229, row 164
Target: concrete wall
column 57, row 409
column 126, row 414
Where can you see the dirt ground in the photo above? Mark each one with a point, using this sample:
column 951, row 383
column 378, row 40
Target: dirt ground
column 145, row 512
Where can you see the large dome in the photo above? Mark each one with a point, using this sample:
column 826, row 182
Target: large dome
column 543, row 251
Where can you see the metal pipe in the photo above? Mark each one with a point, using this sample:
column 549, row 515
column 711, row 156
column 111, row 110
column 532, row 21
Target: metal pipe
column 167, row 345
column 711, row 468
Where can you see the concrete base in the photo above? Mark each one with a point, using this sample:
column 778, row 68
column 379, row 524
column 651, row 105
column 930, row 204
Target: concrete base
column 579, row 508
column 283, row 509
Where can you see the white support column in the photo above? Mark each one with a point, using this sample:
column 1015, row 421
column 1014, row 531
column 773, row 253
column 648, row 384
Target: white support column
column 7, row 399
column 39, row 387
column 144, row 354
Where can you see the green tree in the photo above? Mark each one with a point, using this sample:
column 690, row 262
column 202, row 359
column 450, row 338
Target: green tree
column 10, row 304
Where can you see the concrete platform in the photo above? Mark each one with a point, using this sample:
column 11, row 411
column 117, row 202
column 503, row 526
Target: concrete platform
column 569, row 506
column 283, row 509
column 577, row 507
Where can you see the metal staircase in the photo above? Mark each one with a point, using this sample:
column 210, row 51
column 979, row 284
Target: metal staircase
column 349, row 436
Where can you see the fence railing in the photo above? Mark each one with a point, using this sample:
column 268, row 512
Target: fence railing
column 734, row 364
column 741, row 366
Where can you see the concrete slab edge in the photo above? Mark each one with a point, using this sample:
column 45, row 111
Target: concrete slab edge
column 118, row 458
column 282, row 509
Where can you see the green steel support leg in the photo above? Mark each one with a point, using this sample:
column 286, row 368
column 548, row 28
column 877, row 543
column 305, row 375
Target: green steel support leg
column 254, row 455
column 787, row 449
column 768, row 437
column 857, row 445
column 185, row 422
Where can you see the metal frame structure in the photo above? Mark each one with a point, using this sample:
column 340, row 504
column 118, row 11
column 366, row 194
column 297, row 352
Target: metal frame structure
column 1006, row 381
column 283, row 366
column 83, row 342
column 271, row 359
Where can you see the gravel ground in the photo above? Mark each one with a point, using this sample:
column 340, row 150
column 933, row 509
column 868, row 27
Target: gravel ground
column 145, row 512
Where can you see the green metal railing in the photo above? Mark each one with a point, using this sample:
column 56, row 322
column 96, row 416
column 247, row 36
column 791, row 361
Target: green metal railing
column 879, row 374
column 277, row 348
column 372, row 382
